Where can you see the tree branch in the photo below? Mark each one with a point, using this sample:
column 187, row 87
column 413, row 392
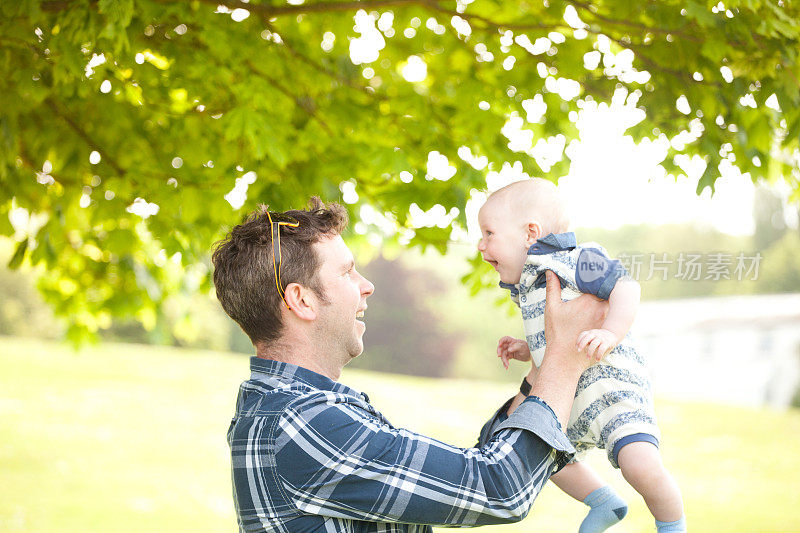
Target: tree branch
column 588, row 8
column 316, row 66
column 85, row 136
column 432, row 4
column 26, row 159
column 271, row 11
column 289, row 95
column 317, row 7
column 55, row 5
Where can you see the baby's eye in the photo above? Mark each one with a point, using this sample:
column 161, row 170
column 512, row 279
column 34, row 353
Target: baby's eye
column 489, row 233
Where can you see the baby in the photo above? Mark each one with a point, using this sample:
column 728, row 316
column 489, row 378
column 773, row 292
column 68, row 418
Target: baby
column 524, row 233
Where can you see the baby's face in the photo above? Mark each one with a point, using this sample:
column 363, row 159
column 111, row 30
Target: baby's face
column 503, row 243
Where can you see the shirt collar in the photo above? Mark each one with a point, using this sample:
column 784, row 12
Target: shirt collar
column 511, row 287
column 289, row 372
column 553, row 242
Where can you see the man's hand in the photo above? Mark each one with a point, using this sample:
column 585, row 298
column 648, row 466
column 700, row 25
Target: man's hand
column 597, row 343
column 563, row 364
column 564, row 321
column 511, row 348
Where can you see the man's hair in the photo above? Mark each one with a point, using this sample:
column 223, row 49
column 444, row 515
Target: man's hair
column 243, row 271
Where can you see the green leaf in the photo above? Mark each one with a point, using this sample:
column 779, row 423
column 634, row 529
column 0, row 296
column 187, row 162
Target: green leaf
column 5, row 224
column 117, row 11
column 793, row 131
column 708, row 178
column 19, row 255
column 714, row 48
column 701, row 14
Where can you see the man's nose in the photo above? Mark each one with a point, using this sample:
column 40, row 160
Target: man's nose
column 367, row 287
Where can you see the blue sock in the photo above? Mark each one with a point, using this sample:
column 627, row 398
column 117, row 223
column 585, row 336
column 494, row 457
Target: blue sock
column 678, row 526
column 607, row 509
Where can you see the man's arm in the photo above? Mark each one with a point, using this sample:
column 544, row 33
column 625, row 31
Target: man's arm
column 333, row 459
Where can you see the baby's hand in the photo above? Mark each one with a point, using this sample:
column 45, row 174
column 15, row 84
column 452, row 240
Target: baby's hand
column 511, row 348
column 597, row 342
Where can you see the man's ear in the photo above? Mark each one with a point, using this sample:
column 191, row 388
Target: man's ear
column 302, row 301
column 533, row 232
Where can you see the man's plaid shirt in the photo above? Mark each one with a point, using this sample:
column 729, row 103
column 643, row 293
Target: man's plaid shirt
column 310, row 454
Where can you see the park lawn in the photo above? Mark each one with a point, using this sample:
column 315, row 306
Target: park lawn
column 130, row 438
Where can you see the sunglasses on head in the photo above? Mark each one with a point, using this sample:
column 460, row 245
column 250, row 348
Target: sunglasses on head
column 276, row 220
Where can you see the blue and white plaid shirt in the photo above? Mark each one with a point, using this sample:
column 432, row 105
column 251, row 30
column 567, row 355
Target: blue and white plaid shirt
column 310, row 454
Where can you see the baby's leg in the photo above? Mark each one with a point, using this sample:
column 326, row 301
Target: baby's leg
column 583, row 484
column 641, row 466
column 578, row 480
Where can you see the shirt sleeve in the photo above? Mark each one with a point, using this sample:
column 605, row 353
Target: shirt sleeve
column 335, row 459
column 596, row 273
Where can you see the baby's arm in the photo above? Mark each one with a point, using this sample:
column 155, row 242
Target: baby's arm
column 623, row 303
column 511, row 348
column 622, row 306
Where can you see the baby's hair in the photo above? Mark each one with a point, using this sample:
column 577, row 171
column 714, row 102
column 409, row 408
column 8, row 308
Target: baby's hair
column 535, row 199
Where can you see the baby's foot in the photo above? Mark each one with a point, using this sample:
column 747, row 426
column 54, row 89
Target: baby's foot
column 607, row 508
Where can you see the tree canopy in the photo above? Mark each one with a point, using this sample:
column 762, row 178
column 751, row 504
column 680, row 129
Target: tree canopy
column 135, row 131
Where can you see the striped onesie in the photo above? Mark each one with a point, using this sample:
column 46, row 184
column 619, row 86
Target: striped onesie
column 613, row 403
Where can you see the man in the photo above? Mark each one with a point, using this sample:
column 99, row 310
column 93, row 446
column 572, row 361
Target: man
column 311, row 454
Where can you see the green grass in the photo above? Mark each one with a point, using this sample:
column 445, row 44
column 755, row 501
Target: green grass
column 129, row 438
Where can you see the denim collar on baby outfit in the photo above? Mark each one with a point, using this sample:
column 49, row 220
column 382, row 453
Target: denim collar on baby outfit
column 553, row 242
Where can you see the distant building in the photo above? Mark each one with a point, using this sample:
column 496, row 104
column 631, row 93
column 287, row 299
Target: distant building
column 742, row 350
